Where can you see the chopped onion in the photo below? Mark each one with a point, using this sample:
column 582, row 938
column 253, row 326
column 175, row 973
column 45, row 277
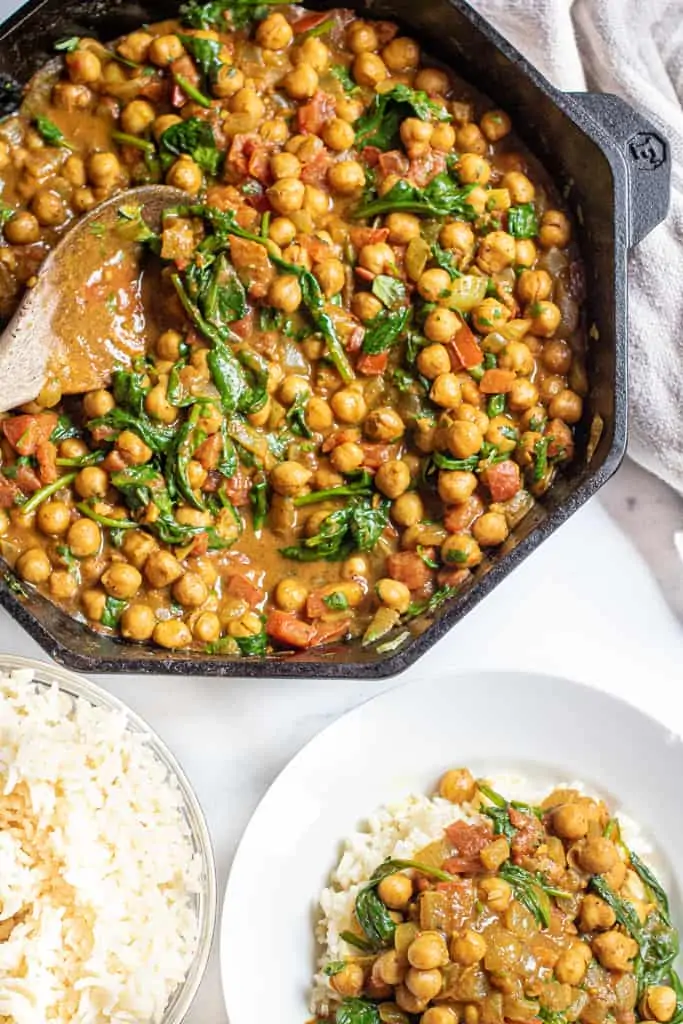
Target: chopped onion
column 466, row 292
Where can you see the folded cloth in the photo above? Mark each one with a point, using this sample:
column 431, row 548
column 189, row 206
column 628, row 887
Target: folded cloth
column 633, row 48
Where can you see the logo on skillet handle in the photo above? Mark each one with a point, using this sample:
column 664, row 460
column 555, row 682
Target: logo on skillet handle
column 647, row 150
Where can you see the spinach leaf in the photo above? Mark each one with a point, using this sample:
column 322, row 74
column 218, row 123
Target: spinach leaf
column 155, row 435
column 140, row 486
column 446, row 260
column 132, row 226
column 14, row 584
column 532, row 891
column 228, row 461
column 333, row 967
column 183, row 448
column 49, row 131
column 372, row 914
column 432, row 603
column 379, row 124
column 650, row 881
column 541, row 458
column 229, row 378
column 113, row 608
column 64, row 430
column 205, row 53
column 446, row 462
column 522, row 221
column 390, row 291
column 442, row 197
column 258, row 499
column 296, row 415
column 67, row 45
column 356, row 940
column 130, row 391
column 253, row 646
column 499, row 812
column 357, row 1011
column 6, row 213
column 336, row 601
column 212, row 14
column 357, row 527
column 385, row 330
column 194, row 138
column 495, row 406
column 361, row 485
column 624, row 911
column 343, row 76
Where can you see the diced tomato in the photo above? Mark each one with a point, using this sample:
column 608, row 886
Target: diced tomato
column 407, row 567
column 368, row 236
column 184, row 66
column 237, row 489
column 340, row 436
column 458, row 518
column 315, row 605
column 259, row 166
column 326, row 632
column 308, row 22
column 372, row 364
column 497, row 382
column 102, row 433
column 466, row 348
column 251, row 262
column 364, row 274
column 28, row 480
column 8, row 492
column 393, row 162
column 468, row 840
column 245, row 326
column 241, row 148
column 424, row 168
column 452, row 577
column 315, row 171
column 375, row 453
column 209, row 452
column 316, row 248
column 286, row 629
column 355, row 339
column 503, row 480
column 314, row 115
column 114, row 462
column 46, row 453
column 27, row 431
column 242, row 587
column 529, row 834
column 462, row 865
column 200, row 544
column 371, row 155
column 152, row 89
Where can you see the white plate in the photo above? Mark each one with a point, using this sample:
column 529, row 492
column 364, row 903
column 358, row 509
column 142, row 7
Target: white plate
column 399, row 743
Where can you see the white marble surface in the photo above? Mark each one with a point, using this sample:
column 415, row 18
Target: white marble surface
column 594, row 603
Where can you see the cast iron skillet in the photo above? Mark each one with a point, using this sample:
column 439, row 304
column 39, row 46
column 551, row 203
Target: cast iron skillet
column 614, row 167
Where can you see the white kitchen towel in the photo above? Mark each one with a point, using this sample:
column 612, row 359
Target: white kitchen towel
column 633, row 48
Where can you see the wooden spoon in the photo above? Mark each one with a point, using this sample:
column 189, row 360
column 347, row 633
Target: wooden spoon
column 85, row 314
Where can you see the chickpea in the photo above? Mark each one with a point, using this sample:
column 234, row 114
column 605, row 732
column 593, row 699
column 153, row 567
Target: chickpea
column 291, row 595
column 557, row 357
column 228, row 82
column 365, row 306
column 137, row 116
column 395, row 890
column 470, row 139
column 338, row 135
column 571, row 966
column 53, row 517
column 521, row 189
column 659, row 1003
column 84, row 67
column 158, row 406
column 348, row 405
column 377, row 257
column 459, row 236
column 517, row 356
column 615, row 951
column 133, row 448
column 22, row 229
column 285, row 293
column 48, row 208
column 495, row 124
column 555, row 230
column 464, row 439
column 91, row 482
column 289, row 478
column 525, row 252
column 312, row 51
column 441, row 325
column 570, row 821
column 456, row 485
column 286, row 195
column 292, row 387
column 63, row 585
column 68, row 96
column 349, row 981
column 361, row 37
column 122, row 580
column 401, row 54
column 274, row 32
column 474, row 169
column 190, row 590
column 457, row 785
column 496, row 892
column 392, row 478
column 396, row 595
column 433, row 81
column 408, row 509
column 301, row 82
column 162, row 569
column 443, row 138
column 135, row 46
column 390, row 967
column 93, row 603
column 566, row 405
column 84, row 538
column 165, row 49
column 347, row 177
column 282, row 231
column 496, row 251
column 523, row 395
column 206, row 628
column 439, row 1015
column 490, row 315
column 533, row 286
column 468, row 948
column 330, row 275
column 318, row 414
column 384, row 424
column 172, row 634
column 434, row 284
column 83, row 199
column 433, row 361
column 446, row 391
column 428, row 951
column 137, row 622
column 459, row 549
column 502, row 432
column 285, row 165
column 597, row 855
column 416, row 136
column 98, row 403
column 104, row 169
column 424, row 985
column 185, row 174
column 34, row 566
column 347, row 457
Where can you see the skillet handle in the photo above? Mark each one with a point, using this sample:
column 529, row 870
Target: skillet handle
column 647, row 156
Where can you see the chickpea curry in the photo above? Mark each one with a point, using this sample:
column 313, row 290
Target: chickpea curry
column 518, row 913
column 364, row 353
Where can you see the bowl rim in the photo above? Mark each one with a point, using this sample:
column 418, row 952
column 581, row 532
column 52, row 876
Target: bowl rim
column 79, row 686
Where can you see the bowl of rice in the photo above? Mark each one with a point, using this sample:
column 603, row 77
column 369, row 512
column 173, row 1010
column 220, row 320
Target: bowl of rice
column 107, row 875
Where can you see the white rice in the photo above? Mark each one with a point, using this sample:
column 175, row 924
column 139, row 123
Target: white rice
column 399, row 831
column 97, row 868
